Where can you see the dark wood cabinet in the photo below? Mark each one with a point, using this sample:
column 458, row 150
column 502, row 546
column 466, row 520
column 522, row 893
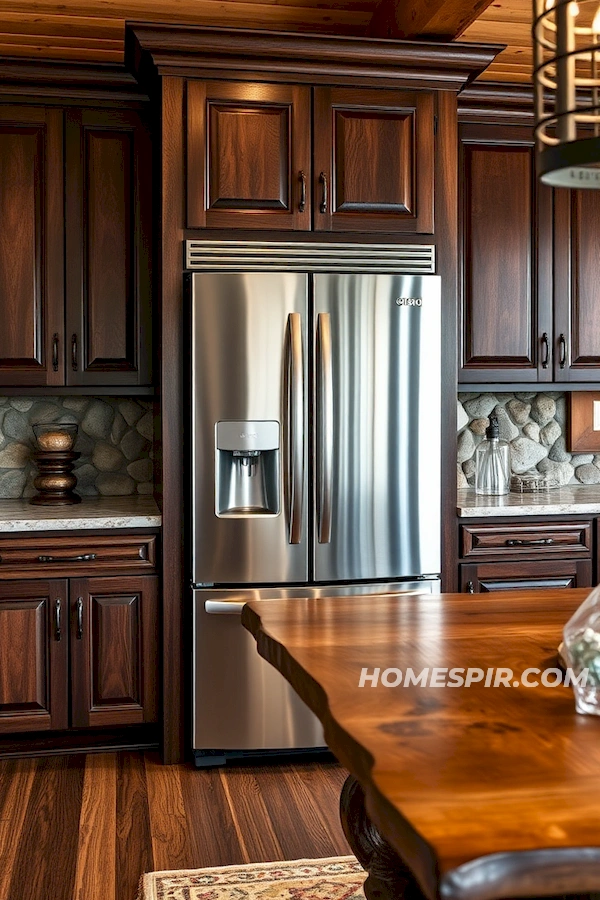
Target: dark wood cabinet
column 108, row 246
column 33, row 655
column 75, row 273
column 373, row 160
column 31, row 247
column 506, row 329
column 520, row 553
column 248, row 155
column 114, row 650
column 576, row 280
column 256, row 158
column 507, row 576
column 80, row 651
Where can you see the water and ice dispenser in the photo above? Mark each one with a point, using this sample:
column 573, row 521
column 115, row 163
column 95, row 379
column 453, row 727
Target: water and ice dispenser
column 247, row 473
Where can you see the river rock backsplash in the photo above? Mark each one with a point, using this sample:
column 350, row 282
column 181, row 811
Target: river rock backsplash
column 534, row 425
column 114, row 438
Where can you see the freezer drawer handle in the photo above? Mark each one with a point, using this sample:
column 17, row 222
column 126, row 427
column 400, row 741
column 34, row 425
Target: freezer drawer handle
column 223, row 608
column 296, row 426
column 325, row 426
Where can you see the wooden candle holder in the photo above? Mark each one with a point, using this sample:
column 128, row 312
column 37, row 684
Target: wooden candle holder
column 56, row 481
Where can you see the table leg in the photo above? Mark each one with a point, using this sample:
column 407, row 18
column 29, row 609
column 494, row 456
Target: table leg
column 388, row 876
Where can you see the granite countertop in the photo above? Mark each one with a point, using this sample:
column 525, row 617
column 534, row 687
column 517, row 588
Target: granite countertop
column 572, row 499
column 136, row 511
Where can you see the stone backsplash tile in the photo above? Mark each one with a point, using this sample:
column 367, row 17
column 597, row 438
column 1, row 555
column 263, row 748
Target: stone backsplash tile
column 534, row 425
column 114, row 438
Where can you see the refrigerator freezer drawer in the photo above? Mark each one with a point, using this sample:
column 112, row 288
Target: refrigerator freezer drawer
column 240, row 701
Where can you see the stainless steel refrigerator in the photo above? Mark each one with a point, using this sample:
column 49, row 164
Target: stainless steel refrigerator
column 315, row 423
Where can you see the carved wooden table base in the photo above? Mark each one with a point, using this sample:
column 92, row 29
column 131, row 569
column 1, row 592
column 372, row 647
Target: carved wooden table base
column 388, row 876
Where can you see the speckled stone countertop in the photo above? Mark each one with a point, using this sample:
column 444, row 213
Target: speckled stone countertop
column 572, row 499
column 136, row 511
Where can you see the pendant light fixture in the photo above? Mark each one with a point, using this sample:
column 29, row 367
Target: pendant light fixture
column 566, row 77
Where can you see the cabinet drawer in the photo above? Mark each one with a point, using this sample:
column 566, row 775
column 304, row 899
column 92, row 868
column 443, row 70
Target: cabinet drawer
column 519, row 540
column 479, row 578
column 77, row 554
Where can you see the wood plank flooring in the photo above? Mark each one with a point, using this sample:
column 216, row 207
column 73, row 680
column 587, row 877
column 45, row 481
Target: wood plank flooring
column 85, row 827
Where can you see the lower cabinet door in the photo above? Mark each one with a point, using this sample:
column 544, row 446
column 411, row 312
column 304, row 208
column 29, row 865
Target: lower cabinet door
column 507, row 576
column 34, row 636
column 114, row 639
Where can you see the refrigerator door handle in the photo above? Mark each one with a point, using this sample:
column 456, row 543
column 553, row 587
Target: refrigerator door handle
column 224, row 607
column 296, row 426
column 324, row 427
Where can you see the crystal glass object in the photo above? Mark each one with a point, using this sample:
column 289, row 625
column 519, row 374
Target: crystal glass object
column 492, row 463
column 55, row 436
column 580, row 651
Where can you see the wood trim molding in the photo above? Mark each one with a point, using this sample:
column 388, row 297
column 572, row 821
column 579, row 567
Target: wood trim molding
column 205, row 52
column 64, row 83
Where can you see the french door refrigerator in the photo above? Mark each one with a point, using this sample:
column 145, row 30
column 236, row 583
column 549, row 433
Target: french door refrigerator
column 315, row 471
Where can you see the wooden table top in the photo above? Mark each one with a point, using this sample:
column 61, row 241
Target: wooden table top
column 452, row 776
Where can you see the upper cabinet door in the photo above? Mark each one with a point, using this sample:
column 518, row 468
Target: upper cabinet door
column 576, row 285
column 108, row 234
column 373, row 160
column 31, row 246
column 248, row 156
column 506, row 258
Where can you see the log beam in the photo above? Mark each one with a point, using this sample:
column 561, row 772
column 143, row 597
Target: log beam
column 443, row 20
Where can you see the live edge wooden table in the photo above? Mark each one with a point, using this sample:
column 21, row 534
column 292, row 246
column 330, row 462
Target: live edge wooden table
column 468, row 793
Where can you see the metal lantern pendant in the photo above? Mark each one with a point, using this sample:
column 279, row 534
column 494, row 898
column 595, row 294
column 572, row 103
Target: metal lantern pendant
column 566, row 80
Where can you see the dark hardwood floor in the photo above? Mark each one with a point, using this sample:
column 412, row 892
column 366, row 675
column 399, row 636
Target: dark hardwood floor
column 85, row 827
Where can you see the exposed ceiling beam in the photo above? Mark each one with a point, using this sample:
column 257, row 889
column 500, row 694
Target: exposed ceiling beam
column 432, row 19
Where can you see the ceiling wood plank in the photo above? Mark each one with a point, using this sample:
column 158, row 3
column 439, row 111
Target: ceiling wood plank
column 434, row 19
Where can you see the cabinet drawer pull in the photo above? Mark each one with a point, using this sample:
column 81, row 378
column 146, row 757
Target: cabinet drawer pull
column 546, row 349
column 302, row 204
column 74, row 352
column 83, row 557
column 324, row 198
column 562, row 358
column 57, row 614
column 79, row 618
column 516, row 542
column 470, row 587
column 55, row 352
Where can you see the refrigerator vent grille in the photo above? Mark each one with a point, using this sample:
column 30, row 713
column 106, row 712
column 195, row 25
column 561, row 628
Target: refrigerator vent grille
column 258, row 256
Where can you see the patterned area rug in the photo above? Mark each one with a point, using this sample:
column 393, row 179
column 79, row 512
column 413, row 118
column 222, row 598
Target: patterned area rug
column 337, row 878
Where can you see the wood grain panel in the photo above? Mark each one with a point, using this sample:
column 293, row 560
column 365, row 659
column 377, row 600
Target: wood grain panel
column 78, row 827
column 48, row 848
column 394, row 131
column 525, row 574
column 31, row 250
column 247, row 143
column 33, row 655
column 133, row 844
column 108, row 221
column 96, row 848
column 16, row 780
column 113, row 655
column 109, row 203
column 585, row 274
column 498, row 225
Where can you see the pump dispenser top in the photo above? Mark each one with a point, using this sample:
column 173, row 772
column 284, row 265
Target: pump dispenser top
column 492, row 462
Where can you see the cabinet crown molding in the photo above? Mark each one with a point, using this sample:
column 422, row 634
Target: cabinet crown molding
column 205, row 52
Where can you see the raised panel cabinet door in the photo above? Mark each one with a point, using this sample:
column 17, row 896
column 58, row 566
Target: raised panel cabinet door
column 507, row 576
column 31, row 247
column 576, row 286
column 505, row 222
column 248, row 156
column 108, row 248
column 33, row 656
column 114, row 640
column 373, row 160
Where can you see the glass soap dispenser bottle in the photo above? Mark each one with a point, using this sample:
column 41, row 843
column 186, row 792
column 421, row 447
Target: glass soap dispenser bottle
column 492, row 462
